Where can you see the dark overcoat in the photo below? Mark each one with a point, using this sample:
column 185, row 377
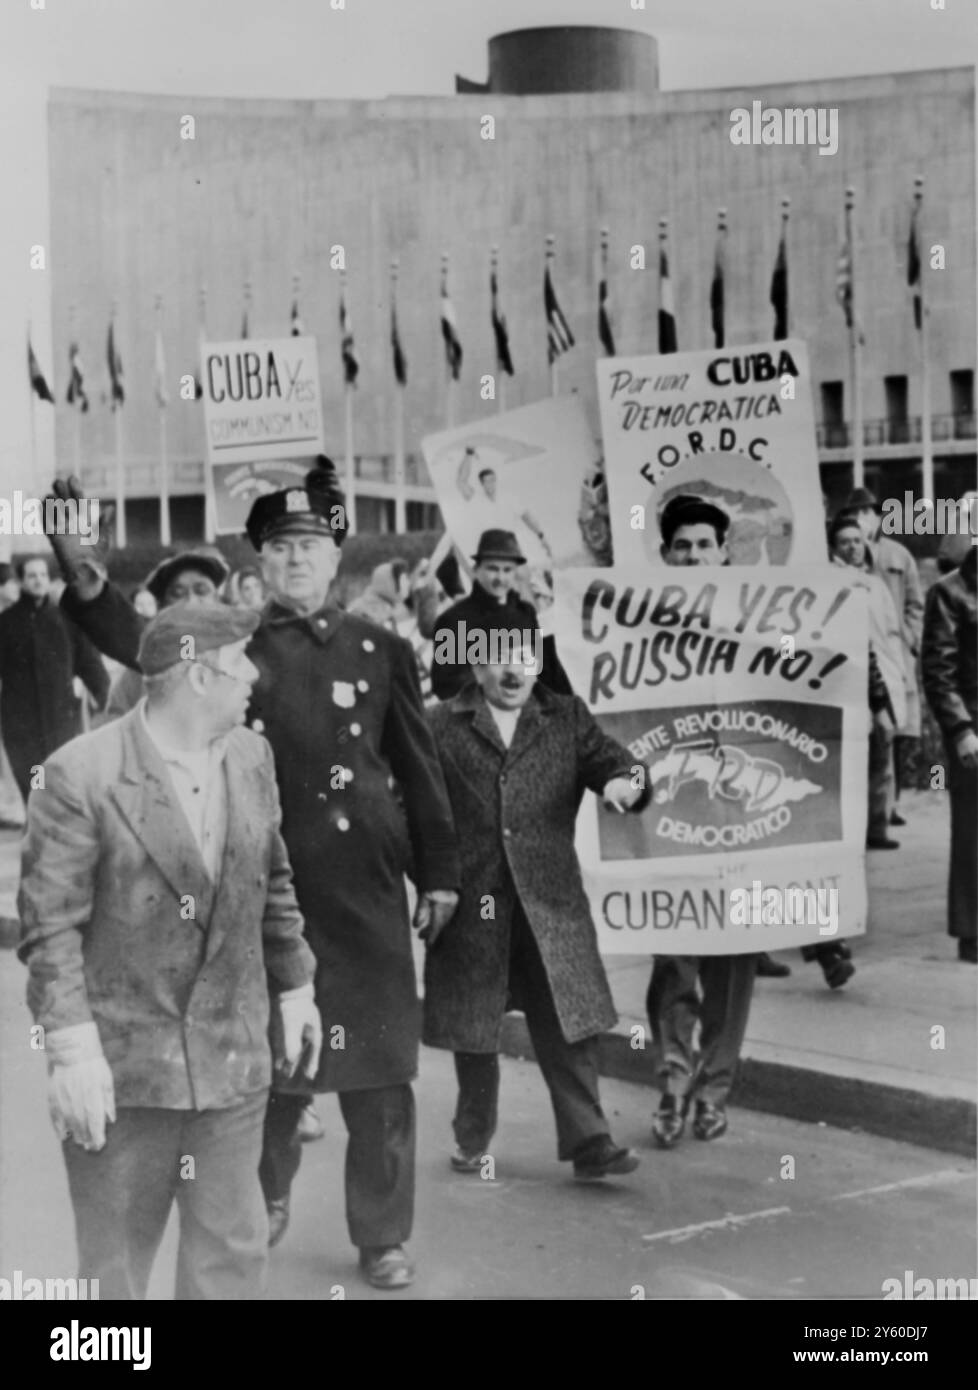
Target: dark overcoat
column 41, row 650
column 480, row 612
column 515, row 811
column 363, row 802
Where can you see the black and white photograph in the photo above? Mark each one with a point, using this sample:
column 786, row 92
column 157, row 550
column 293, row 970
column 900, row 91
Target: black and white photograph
column 489, row 666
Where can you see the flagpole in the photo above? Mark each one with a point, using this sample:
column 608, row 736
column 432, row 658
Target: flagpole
column 500, row 374
column 164, row 463
column 549, row 263
column 720, row 269
column 450, row 380
column 400, row 503
column 349, row 460
column 785, row 214
column 210, row 520
column 854, row 353
column 120, row 475
column 30, row 386
column 927, row 480
column 76, row 431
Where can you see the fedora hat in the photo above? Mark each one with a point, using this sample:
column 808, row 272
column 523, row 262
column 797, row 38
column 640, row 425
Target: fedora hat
column 499, row 545
column 860, row 499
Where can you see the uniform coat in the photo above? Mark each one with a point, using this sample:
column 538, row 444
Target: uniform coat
column 338, row 701
column 515, row 810
column 41, row 651
column 181, row 1004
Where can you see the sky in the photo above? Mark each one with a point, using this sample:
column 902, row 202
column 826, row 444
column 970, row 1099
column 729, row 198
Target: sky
column 374, row 48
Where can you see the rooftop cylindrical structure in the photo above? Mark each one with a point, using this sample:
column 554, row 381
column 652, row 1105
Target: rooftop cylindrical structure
column 583, row 58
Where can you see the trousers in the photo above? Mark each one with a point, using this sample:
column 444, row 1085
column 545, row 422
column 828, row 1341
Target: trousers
column 569, row 1069
column 208, row 1161
column 882, row 783
column 379, row 1172
column 721, row 1006
column 962, row 890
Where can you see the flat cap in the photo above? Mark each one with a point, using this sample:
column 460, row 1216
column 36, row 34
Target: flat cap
column 210, row 625
column 317, row 508
column 207, row 559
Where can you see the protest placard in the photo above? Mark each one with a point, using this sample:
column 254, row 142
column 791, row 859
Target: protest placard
column 263, row 420
column 732, row 426
column 532, row 471
column 742, row 699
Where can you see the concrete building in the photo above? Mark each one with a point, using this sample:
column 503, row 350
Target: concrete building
column 582, row 137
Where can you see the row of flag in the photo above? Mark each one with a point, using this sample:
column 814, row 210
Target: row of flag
column 560, row 338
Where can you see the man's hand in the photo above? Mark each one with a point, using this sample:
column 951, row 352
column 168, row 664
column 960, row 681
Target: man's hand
column 81, row 1096
column 83, row 565
column 434, row 911
column 301, row 1032
column 966, row 747
column 620, row 795
column 883, row 720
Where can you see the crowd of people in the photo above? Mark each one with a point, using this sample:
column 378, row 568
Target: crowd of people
column 214, row 904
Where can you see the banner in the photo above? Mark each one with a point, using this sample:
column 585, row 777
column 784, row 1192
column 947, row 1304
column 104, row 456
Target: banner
column 263, row 420
column 533, row 471
column 731, row 426
column 743, row 700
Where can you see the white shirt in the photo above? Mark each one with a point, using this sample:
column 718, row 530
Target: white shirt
column 200, row 787
column 506, row 721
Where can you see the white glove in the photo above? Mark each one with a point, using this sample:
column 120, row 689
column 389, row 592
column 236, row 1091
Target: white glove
column 81, row 1096
column 302, row 1030
column 620, row 795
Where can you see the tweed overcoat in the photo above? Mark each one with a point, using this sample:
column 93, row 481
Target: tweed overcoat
column 515, row 811
column 363, row 802
column 109, row 864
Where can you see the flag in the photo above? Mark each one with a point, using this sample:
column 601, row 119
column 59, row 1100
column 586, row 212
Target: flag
column 779, row 290
column 604, row 318
column 667, row 309
column 843, row 281
column 118, row 394
column 400, row 364
column 717, row 294
column 559, row 336
column 76, row 394
column 914, row 278
column 159, row 371
column 38, row 384
column 503, row 359
column 298, row 327
column 350, row 364
column 449, row 331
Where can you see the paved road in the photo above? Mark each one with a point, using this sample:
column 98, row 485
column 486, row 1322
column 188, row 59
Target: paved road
column 713, row 1221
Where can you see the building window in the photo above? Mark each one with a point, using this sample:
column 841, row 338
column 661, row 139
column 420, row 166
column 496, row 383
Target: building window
column 897, row 423
column 833, row 417
column 963, row 403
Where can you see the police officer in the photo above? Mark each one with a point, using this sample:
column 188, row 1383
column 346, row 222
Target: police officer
column 338, row 700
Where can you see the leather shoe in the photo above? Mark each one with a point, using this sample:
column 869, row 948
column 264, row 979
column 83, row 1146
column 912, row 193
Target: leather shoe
column 897, row 819
column 968, row 949
column 771, row 969
column 310, row 1125
column 466, row 1163
column 386, row 1266
column 669, row 1121
column 838, row 972
column 601, row 1157
column 881, row 842
column 710, row 1120
column 278, row 1220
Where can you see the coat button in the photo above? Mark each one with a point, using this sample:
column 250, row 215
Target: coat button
column 342, row 823
column 322, row 622
column 363, row 687
column 348, row 774
column 321, row 796
column 368, row 646
column 355, row 730
column 507, row 833
column 258, row 726
column 502, row 777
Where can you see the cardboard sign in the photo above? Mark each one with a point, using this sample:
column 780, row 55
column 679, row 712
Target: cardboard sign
column 733, row 426
column 263, row 420
column 742, row 698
